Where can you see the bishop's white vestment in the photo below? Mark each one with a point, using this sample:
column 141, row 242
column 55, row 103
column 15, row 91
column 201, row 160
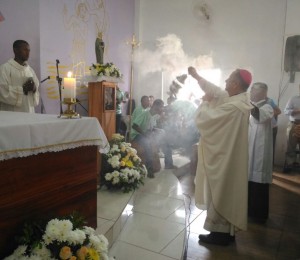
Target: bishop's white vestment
column 221, row 181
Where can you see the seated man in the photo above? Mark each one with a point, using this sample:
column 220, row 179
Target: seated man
column 292, row 110
column 143, row 132
column 145, row 104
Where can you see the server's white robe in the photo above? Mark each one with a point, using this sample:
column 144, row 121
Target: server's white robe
column 261, row 145
column 12, row 77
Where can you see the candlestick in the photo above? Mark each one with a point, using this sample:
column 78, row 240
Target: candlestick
column 69, row 90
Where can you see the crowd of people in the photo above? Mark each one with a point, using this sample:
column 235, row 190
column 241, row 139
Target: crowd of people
column 163, row 126
column 236, row 134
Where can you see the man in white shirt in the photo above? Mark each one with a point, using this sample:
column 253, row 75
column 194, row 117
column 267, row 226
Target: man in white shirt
column 18, row 82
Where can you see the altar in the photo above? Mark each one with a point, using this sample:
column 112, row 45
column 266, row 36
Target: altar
column 48, row 168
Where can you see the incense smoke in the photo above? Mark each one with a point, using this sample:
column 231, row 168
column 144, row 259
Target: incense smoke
column 169, row 56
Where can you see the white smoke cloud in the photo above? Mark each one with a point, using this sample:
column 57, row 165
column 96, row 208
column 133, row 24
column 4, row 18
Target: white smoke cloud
column 169, row 56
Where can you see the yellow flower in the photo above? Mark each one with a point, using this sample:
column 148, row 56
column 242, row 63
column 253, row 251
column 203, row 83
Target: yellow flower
column 122, row 163
column 65, row 253
column 129, row 164
column 92, row 254
column 82, row 252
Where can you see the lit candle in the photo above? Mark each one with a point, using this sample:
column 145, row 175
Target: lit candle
column 69, row 86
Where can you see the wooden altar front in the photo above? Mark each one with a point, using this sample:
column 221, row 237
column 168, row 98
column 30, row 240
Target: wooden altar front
column 46, row 185
column 36, row 184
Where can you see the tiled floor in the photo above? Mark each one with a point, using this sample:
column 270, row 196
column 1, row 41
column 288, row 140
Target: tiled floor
column 279, row 238
column 152, row 226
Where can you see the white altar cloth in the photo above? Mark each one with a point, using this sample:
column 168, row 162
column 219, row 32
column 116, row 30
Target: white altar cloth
column 25, row 134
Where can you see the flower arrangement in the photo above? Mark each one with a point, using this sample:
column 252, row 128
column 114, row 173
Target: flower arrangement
column 122, row 167
column 65, row 238
column 105, row 70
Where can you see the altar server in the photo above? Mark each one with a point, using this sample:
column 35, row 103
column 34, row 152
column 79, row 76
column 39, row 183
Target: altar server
column 260, row 153
column 18, row 81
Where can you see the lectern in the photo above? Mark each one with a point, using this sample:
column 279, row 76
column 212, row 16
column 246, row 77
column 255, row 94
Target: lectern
column 102, row 105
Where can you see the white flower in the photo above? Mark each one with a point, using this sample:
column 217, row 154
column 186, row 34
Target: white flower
column 117, row 137
column 108, row 176
column 115, row 180
column 133, row 151
column 115, row 174
column 123, row 176
column 43, row 252
column 61, row 232
column 93, row 72
column 57, row 230
column 108, row 69
column 122, row 148
column 114, row 148
column 76, row 237
column 126, row 166
column 88, row 230
column 99, row 243
column 114, row 161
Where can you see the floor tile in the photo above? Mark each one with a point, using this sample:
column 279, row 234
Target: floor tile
column 290, row 246
column 111, row 203
column 196, row 226
column 149, row 232
column 124, row 251
column 175, row 248
column 181, row 216
column 103, row 225
column 156, row 205
column 165, row 183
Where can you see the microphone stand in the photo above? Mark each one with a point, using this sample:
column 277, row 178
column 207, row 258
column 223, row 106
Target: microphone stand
column 42, row 103
column 79, row 103
column 59, row 80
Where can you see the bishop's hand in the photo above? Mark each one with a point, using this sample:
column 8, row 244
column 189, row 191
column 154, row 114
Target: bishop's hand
column 193, row 72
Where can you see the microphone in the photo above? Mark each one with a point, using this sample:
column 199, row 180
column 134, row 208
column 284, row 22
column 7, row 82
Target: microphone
column 57, row 61
column 45, row 79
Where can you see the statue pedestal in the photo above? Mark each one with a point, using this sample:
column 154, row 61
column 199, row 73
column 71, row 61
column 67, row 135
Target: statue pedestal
column 102, row 105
